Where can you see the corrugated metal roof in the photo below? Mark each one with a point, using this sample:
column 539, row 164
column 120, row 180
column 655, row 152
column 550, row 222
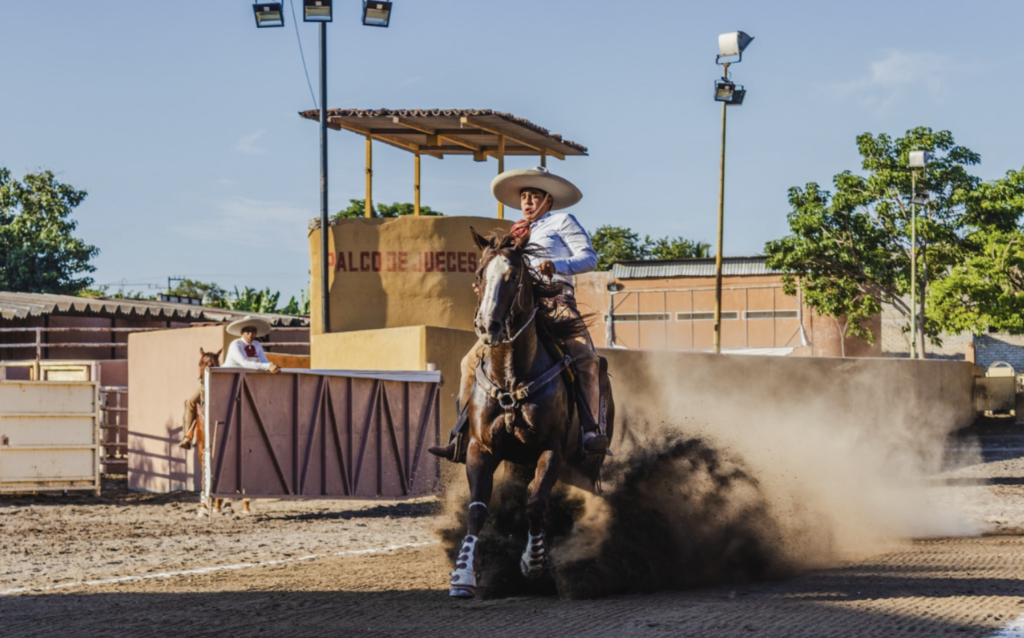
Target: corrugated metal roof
column 666, row 268
column 20, row 305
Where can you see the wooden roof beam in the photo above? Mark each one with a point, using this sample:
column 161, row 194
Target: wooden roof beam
column 402, row 144
column 474, row 122
column 431, row 133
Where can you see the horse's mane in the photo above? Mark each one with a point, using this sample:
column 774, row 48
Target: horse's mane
column 549, row 325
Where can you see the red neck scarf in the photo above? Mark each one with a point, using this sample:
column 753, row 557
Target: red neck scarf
column 520, row 228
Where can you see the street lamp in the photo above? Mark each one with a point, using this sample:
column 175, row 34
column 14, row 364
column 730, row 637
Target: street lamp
column 268, row 14
column 320, row 11
column 376, row 14
column 730, row 45
column 316, row 10
column 917, row 160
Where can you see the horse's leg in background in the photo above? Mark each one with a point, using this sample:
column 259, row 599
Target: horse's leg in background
column 480, row 467
column 539, row 492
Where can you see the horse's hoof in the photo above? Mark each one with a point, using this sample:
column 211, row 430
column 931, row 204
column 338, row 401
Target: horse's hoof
column 202, row 513
column 462, row 584
column 530, row 571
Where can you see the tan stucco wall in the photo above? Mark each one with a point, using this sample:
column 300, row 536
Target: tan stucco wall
column 409, row 348
column 163, row 368
column 407, row 271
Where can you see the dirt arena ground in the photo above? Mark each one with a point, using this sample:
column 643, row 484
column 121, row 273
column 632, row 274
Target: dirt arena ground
column 130, row 564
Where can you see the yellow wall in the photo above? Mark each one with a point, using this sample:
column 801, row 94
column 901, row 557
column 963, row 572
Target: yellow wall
column 410, row 348
column 406, row 271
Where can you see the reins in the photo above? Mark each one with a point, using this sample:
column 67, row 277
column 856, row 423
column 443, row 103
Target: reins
column 509, row 400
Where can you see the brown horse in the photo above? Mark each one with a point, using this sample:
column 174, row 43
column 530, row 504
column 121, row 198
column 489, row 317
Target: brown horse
column 520, row 410
column 198, row 430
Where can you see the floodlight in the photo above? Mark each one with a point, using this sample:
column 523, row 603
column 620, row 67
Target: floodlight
column 919, row 159
column 268, row 14
column 376, row 14
column 732, row 45
column 921, row 199
column 729, row 92
column 316, row 10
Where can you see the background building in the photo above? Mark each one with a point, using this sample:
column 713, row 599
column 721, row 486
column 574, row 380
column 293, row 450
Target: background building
column 670, row 305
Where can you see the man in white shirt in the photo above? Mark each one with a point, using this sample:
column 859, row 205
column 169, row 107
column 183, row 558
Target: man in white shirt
column 246, row 351
column 567, row 251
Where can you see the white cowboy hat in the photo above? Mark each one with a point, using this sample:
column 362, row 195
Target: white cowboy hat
column 507, row 186
column 236, row 327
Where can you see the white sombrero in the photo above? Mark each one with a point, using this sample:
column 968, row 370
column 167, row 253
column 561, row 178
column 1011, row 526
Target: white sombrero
column 236, row 327
column 507, row 186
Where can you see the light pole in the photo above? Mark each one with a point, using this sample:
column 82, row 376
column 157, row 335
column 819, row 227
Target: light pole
column 727, row 92
column 271, row 14
column 917, row 160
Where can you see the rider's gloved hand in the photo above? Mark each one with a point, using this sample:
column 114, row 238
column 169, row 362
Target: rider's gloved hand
column 547, row 269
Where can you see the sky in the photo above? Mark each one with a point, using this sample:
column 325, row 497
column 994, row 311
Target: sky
column 181, row 119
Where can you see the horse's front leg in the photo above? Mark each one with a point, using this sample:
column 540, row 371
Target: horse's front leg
column 535, row 555
column 480, row 468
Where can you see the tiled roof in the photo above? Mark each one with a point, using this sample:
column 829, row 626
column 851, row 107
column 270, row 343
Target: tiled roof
column 665, row 268
column 450, row 131
column 20, row 305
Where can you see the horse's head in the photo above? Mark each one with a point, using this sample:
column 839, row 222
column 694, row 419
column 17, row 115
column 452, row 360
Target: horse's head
column 208, row 360
column 503, row 285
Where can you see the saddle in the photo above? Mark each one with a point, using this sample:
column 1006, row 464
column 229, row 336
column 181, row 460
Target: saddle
column 569, row 376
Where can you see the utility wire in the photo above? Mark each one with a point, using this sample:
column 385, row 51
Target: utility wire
column 302, row 55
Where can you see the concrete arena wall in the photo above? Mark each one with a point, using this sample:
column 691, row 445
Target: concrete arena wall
column 406, row 271
column 698, row 389
column 694, row 391
column 163, row 369
column 409, row 348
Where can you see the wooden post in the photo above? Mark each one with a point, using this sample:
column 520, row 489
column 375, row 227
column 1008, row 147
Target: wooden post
column 369, row 177
column 543, row 159
column 416, row 187
column 501, row 169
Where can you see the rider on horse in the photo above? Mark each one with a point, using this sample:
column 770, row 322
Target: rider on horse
column 566, row 251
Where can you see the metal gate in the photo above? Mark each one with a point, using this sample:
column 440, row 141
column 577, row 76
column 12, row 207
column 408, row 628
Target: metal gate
column 321, row 434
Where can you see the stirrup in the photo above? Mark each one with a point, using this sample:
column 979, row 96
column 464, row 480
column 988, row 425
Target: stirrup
column 458, row 441
column 595, row 442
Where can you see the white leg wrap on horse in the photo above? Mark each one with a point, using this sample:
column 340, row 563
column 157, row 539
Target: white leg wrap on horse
column 463, row 582
column 534, row 556
column 478, row 504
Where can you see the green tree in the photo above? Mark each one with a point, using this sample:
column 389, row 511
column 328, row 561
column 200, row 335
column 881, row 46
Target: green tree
column 103, row 292
column 212, row 293
column 850, row 251
column 678, row 248
column 985, row 289
column 357, row 208
column 38, row 249
column 618, row 243
column 252, row 300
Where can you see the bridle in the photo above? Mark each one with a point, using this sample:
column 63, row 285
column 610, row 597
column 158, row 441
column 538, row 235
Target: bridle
column 509, row 399
column 509, row 335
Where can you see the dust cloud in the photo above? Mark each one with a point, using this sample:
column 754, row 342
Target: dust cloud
column 734, row 469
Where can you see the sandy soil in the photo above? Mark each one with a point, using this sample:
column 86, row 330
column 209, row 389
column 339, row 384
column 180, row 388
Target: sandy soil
column 325, row 568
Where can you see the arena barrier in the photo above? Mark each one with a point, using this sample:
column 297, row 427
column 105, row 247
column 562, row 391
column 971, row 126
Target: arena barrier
column 321, row 434
column 49, row 436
